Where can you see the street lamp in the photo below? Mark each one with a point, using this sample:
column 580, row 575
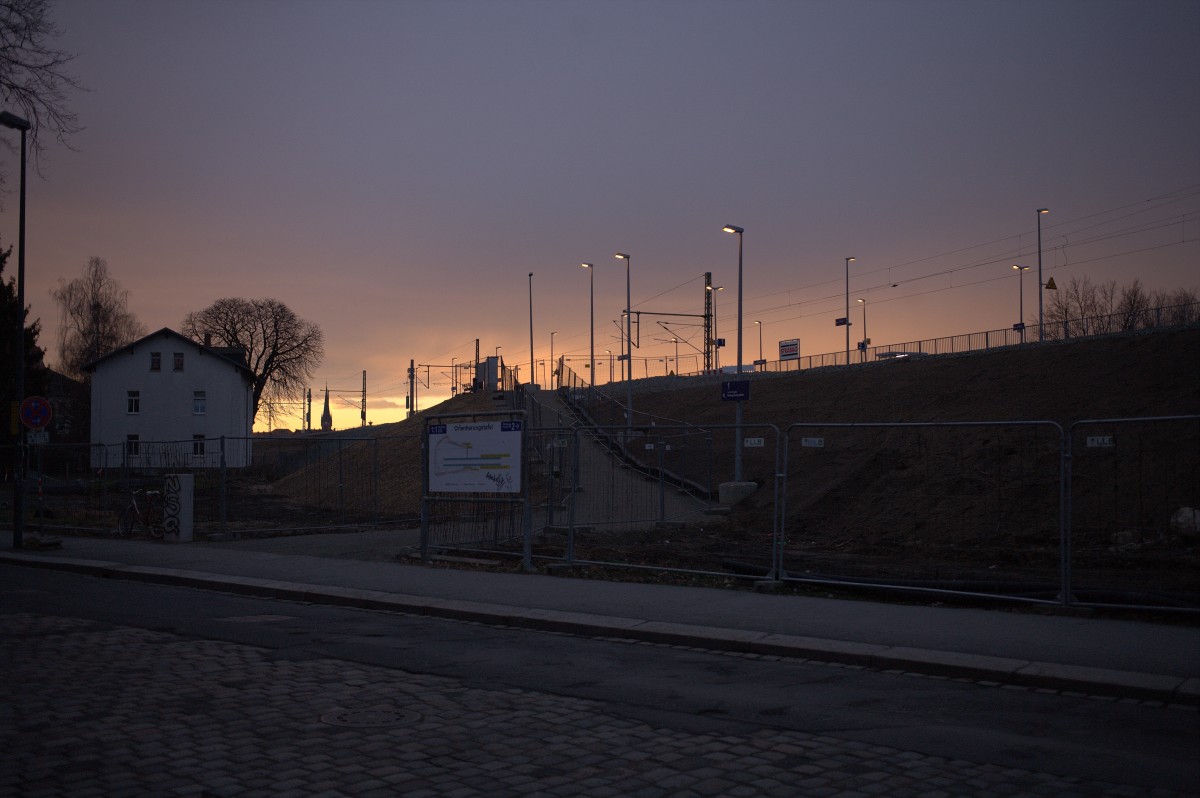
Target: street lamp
column 1021, row 297
column 676, row 342
column 18, row 523
column 532, row 372
column 453, row 376
column 610, row 364
column 1041, row 285
column 552, row 334
column 591, row 323
column 628, row 345
column 737, row 405
column 863, row 356
column 848, row 262
column 761, row 362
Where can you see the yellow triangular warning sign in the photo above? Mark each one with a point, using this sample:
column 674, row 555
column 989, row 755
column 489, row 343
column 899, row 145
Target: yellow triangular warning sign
column 1050, row 286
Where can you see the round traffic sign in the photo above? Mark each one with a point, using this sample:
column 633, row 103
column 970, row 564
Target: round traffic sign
column 35, row 412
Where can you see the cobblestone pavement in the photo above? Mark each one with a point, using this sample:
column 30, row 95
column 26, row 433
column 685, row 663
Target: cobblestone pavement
column 101, row 711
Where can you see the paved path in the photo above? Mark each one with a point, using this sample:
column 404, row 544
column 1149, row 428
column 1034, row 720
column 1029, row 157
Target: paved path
column 1151, row 661
column 125, row 712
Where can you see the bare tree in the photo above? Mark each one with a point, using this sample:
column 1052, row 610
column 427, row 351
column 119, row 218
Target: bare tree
column 1081, row 307
column 34, row 82
column 282, row 349
column 95, row 319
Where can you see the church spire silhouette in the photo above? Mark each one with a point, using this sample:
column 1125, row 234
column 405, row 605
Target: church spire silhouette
column 326, row 417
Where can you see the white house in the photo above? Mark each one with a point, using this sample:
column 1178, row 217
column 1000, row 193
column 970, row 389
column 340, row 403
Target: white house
column 165, row 401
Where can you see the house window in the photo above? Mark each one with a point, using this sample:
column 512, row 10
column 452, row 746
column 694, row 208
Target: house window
column 197, row 446
column 199, row 403
column 133, row 402
column 156, row 361
column 132, row 445
column 178, row 362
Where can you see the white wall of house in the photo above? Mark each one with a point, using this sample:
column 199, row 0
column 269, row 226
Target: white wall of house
column 178, row 404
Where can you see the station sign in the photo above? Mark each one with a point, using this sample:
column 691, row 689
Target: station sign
column 789, row 349
column 735, row 391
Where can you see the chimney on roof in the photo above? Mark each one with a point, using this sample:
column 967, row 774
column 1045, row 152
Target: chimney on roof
column 208, row 339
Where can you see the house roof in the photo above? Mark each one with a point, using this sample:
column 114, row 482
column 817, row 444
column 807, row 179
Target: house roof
column 229, row 355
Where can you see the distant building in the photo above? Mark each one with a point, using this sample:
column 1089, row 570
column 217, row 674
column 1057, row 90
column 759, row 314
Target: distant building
column 326, row 416
column 165, row 401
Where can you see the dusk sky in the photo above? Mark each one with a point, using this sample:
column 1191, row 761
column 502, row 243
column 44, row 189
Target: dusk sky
column 392, row 171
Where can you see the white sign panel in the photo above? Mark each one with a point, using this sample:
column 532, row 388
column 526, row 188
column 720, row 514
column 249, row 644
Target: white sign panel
column 475, row 457
column 790, row 349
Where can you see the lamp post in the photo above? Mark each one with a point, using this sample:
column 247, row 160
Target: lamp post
column 1041, row 285
column 628, row 345
column 737, row 406
column 848, row 262
column 863, row 352
column 18, row 518
column 610, row 365
column 761, row 362
column 1021, row 297
column 532, row 373
column 591, row 323
column 453, row 376
column 552, row 334
column 676, row 342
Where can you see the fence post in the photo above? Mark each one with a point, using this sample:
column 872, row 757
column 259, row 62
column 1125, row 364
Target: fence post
column 1064, row 513
column 375, row 472
column 662, row 484
column 222, row 509
column 341, row 486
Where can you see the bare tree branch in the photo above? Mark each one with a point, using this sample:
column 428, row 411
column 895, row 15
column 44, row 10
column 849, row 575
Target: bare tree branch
column 95, row 319
column 34, row 82
column 282, row 349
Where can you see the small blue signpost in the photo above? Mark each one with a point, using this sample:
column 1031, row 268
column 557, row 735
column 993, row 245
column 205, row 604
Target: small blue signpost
column 735, row 391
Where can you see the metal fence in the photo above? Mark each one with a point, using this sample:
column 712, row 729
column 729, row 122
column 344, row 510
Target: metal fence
column 1102, row 514
column 1053, row 330
column 293, row 483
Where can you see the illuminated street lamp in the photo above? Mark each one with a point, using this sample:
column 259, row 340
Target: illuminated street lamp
column 1021, row 298
column 848, row 262
column 591, row 323
column 863, row 352
column 761, row 362
column 15, row 122
column 737, row 405
column 628, row 345
column 1041, row 284
column 676, row 342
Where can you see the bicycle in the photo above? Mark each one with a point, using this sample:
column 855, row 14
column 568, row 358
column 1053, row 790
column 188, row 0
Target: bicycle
column 135, row 515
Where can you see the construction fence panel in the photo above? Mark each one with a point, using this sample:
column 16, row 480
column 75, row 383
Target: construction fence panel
column 1134, row 511
column 468, row 519
column 647, row 497
column 970, row 507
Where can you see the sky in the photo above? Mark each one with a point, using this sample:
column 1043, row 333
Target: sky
column 393, row 171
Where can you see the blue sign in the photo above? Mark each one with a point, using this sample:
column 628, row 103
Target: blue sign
column 736, row 391
column 510, row 426
column 437, row 429
column 842, row 322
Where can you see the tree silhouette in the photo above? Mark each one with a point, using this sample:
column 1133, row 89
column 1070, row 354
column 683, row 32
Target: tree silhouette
column 281, row 349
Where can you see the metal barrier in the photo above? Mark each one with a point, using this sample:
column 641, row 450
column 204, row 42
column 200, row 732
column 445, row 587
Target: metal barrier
column 957, row 507
column 1132, row 522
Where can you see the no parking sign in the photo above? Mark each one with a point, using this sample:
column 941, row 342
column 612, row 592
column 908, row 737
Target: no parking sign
column 35, row 412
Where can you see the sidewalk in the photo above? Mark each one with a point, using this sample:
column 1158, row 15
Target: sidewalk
column 1127, row 659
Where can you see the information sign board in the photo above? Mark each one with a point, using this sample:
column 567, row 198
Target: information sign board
column 475, row 457
column 735, row 391
column 789, row 349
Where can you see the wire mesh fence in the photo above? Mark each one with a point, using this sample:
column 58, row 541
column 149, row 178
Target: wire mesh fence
column 1133, row 511
column 964, row 507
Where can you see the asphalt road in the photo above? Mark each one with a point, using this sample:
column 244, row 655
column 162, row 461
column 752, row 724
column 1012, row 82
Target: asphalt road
column 472, row 690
